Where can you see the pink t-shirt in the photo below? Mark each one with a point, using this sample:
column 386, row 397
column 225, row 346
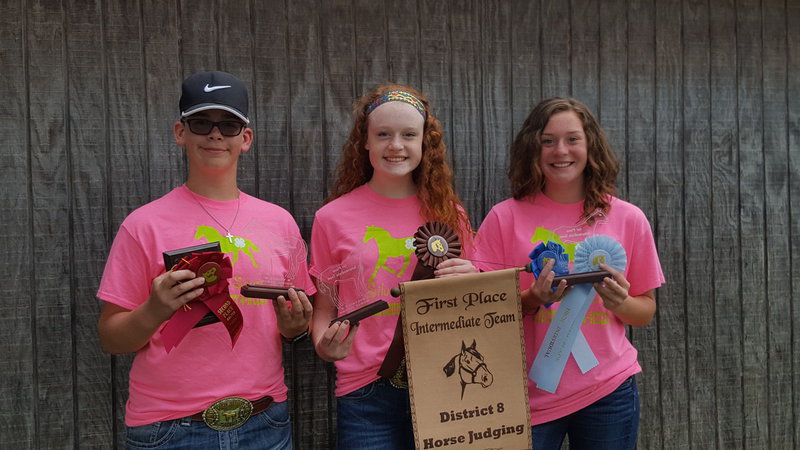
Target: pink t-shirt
column 266, row 248
column 509, row 233
column 362, row 244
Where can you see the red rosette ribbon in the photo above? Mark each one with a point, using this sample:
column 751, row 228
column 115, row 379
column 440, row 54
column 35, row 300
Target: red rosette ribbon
column 216, row 268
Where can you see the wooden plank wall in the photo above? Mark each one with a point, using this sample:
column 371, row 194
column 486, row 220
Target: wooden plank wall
column 701, row 100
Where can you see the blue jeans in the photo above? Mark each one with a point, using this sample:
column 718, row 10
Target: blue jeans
column 611, row 423
column 270, row 429
column 377, row 416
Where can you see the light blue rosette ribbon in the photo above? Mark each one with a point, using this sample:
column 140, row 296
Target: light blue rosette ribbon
column 545, row 252
column 563, row 337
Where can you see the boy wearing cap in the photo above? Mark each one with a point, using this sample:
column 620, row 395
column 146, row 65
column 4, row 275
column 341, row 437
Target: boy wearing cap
column 205, row 392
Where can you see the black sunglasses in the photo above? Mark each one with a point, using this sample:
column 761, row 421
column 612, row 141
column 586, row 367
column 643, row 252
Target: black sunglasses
column 204, row 127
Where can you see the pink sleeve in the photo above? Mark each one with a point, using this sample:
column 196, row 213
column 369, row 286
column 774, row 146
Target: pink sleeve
column 644, row 269
column 320, row 250
column 126, row 278
column 489, row 247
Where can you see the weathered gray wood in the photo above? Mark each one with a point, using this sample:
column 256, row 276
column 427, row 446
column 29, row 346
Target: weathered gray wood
column 271, row 93
column 435, row 79
column 51, row 251
column 365, row 54
column 697, row 219
column 466, row 132
column 403, row 42
column 18, row 392
column 304, row 171
column 709, row 153
column 555, row 47
column 671, row 238
column 755, row 406
column 613, row 66
column 793, row 133
column 776, row 209
column 306, row 178
column 640, row 170
column 496, row 68
column 162, row 73
column 584, row 53
column 87, row 149
column 725, row 229
column 526, row 68
column 236, row 54
column 128, row 181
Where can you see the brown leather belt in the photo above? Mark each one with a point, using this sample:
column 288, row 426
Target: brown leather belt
column 231, row 412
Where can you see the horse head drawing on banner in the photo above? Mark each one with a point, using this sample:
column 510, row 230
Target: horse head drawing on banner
column 471, row 367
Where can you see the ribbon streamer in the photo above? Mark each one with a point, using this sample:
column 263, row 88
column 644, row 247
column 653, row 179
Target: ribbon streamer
column 563, row 336
column 435, row 242
column 216, row 269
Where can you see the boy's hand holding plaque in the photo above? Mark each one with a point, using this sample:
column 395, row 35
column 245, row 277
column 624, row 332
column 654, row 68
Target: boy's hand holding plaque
column 216, row 269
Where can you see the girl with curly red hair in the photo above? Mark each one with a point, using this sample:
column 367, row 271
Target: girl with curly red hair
column 392, row 178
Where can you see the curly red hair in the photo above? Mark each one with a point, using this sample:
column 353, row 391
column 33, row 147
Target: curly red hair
column 602, row 165
column 433, row 176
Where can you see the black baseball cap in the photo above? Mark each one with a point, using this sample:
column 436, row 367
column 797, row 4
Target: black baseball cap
column 214, row 90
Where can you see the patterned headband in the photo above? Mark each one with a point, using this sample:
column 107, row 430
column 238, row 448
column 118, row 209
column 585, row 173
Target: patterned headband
column 397, row 95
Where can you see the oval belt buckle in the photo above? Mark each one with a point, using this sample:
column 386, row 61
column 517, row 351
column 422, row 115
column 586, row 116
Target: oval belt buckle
column 228, row 413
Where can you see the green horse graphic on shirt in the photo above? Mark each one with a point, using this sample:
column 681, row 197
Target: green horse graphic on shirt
column 389, row 247
column 232, row 245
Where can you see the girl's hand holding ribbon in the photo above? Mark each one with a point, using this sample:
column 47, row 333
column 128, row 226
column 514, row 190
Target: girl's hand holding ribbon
column 541, row 293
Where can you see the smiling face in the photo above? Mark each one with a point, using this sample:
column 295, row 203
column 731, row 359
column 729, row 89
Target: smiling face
column 394, row 143
column 212, row 153
column 563, row 157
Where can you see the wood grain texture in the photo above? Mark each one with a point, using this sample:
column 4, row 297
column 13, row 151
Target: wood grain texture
column 750, row 94
column 700, row 101
column 728, row 358
column 671, row 238
column 793, row 163
column 556, row 45
column 525, row 59
column 639, row 164
column 92, row 411
column 465, row 131
column 304, row 171
column 236, row 54
column 496, row 103
column 271, row 92
column 776, row 210
column 18, row 392
column 611, row 109
column 160, row 22
column 697, row 223
column 50, row 234
column 401, row 20
column 584, row 51
column 435, row 79
column 128, row 181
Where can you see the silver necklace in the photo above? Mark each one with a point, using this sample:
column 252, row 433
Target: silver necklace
column 227, row 229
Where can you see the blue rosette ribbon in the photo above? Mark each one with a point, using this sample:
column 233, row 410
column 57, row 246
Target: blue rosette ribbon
column 544, row 252
column 563, row 337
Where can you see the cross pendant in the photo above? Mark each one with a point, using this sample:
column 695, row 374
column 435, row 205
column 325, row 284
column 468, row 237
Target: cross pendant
column 229, row 236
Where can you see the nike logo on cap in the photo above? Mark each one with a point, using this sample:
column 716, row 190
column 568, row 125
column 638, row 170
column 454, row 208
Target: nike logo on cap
column 208, row 88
